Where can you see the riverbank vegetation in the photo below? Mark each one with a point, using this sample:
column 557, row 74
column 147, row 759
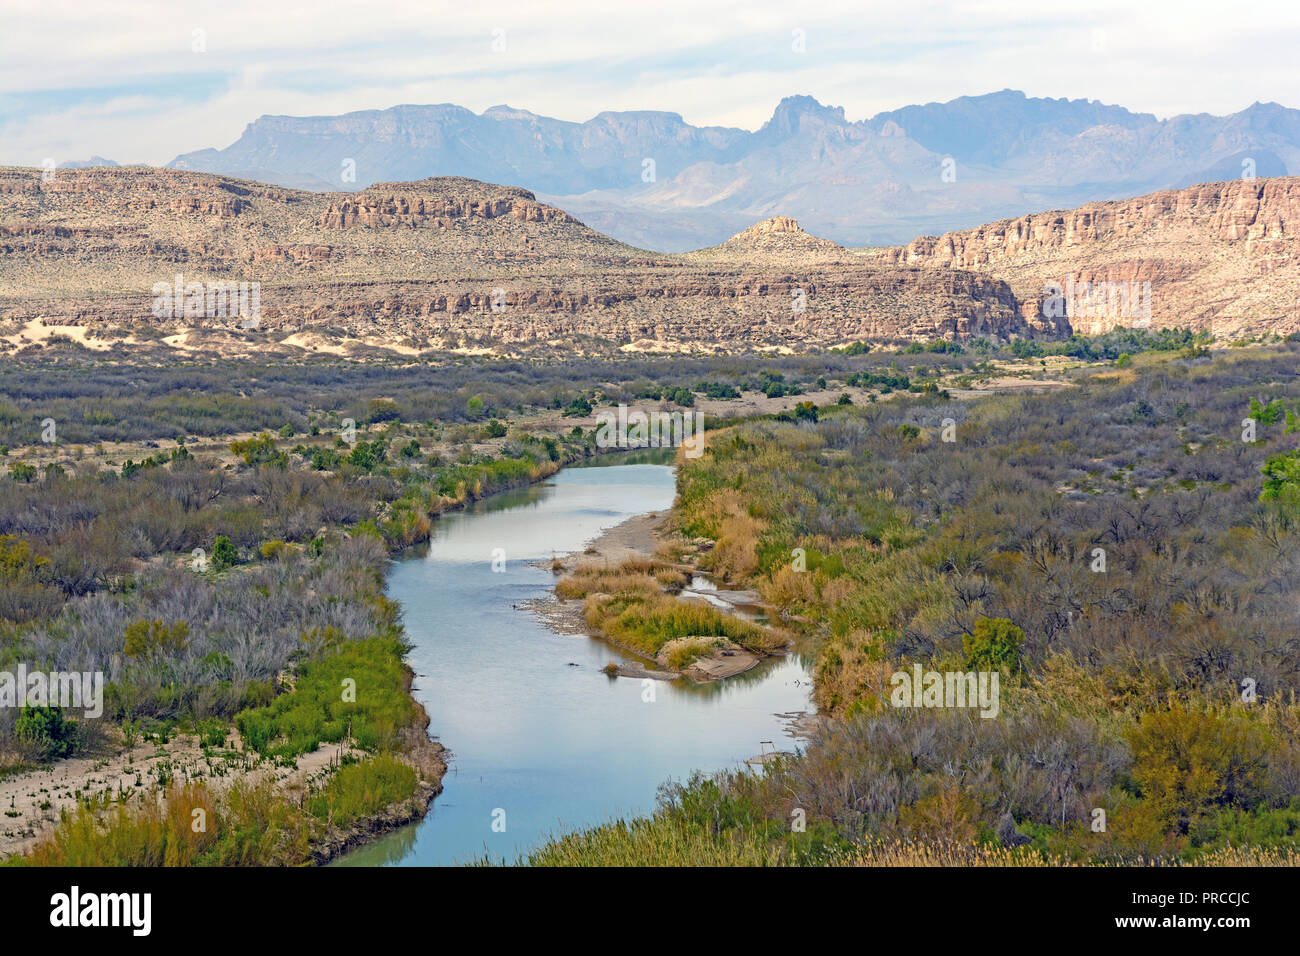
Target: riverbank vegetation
column 93, row 399
column 635, row 604
column 1113, row 549
column 249, row 823
column 213, row 538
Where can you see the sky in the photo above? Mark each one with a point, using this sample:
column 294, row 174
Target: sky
column 145, row 80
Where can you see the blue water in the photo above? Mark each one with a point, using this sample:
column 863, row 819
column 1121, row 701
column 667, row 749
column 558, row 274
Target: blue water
column 540, row 745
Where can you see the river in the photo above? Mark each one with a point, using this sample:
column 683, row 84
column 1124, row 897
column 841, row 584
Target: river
column 542, row 742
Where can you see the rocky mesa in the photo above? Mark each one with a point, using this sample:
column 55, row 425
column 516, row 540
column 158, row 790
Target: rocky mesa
column 439, row 263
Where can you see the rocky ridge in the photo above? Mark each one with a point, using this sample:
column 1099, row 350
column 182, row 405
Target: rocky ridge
column 1219, row 256
column 438, row 263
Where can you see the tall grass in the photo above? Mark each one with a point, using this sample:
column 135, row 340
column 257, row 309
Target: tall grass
column 358, row 692
column 247, row 824
column 657, row 841
column 189, row 825
column 628, row 604
column 361, row 790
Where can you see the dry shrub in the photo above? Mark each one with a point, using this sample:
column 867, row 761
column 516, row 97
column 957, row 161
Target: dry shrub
column 787, row 588
column 673, row 578
column 853, row 676
column 683, row 651
column 735, row 556
column 631, row 577
column 948, row 814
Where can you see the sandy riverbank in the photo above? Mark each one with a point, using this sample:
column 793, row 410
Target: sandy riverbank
column 34, row 800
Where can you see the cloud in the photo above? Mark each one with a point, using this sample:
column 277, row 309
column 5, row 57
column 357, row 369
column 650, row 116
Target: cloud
column 126, row 80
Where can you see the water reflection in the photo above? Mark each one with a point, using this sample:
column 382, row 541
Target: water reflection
column 544, row 740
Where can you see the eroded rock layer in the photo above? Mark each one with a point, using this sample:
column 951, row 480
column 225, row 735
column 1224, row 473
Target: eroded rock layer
column 440, row 263
column 1219, row 256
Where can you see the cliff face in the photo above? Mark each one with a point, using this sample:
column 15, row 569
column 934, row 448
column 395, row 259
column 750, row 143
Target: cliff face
column 404, row 204
column 437, row 263
column 1220, row 256
column 445, row 263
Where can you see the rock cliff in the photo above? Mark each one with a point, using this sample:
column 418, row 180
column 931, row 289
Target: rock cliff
column 1219, row 256
column 438, row 263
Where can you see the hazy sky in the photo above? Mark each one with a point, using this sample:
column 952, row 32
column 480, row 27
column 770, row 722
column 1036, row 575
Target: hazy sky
column 144, row 80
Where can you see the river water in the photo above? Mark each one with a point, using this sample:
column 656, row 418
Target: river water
column 542, row 742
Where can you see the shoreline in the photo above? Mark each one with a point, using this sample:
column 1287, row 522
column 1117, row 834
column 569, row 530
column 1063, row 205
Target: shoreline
column 635, row 538
column 41, row 795
column 38, row 796
column 429, row 759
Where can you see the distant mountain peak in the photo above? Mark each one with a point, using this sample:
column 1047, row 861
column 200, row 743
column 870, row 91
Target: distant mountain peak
column 770, row 226
column 650, row 178
column 792, row 109
column 504, row 112
column 87, row 163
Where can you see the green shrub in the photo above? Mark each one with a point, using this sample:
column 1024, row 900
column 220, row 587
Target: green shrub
column 224, row 553
column 367, row 455
column 994, row 644
column 212, row 732
column 580, row 407
column 45, row 730
column 260, row 450
column 152, row 638
column 360, row 690
column 1188, row 762
column 362, row 789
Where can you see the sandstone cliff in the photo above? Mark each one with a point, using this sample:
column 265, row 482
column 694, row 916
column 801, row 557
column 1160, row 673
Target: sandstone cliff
column 439, row 263
column 1219, row 256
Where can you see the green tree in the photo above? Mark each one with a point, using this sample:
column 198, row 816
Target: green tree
column 382, row 410
column 1282, row 478
column 224, row 553
column 1267, row 414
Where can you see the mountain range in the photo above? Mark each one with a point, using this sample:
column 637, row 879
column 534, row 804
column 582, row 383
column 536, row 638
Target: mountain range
column 654, row 181
column 449, row 263
column 437, row 264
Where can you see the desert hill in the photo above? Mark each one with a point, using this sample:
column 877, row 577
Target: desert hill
column 437, row 263
column 460, row 264
column 780, row 237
